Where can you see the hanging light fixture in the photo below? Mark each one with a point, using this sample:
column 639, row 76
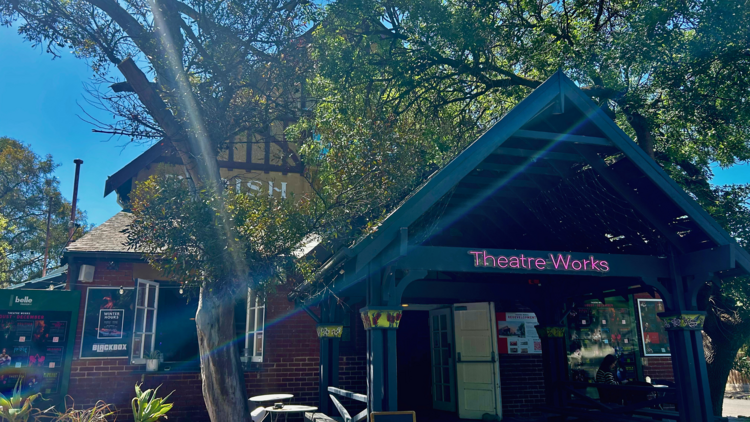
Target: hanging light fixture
column 181, row 291
column 122, row 291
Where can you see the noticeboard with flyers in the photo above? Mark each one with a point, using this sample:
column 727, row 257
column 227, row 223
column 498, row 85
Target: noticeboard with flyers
column 36, row 342
column 597, row 329
column 516, row 333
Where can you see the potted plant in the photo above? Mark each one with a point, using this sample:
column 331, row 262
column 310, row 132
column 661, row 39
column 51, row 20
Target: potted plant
column 152, row 361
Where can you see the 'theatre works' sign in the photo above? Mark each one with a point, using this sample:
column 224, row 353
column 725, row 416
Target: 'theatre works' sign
column 557, row 262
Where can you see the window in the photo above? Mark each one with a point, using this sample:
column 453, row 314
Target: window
column 176, row 334
column 144, row 326
column 173, row 333
column 255, row 322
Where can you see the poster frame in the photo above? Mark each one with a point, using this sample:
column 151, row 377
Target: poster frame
column 642, row 334
column 83, row 323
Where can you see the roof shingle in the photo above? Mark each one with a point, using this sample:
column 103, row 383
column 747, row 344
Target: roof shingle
column 107, row 237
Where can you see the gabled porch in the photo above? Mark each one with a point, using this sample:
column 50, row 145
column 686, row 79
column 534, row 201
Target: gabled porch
column 553, row 206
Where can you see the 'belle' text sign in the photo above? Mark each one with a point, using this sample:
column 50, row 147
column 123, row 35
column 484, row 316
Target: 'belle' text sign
column 558, row 262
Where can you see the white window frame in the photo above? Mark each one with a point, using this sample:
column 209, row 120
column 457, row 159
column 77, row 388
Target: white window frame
column 141, row 332
column 258, row 309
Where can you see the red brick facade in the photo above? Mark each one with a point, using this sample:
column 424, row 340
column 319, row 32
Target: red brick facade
column 290, row 362
column 521, row 385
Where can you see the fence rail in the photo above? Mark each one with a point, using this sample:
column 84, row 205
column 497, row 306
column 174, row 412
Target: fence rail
column 350, row 395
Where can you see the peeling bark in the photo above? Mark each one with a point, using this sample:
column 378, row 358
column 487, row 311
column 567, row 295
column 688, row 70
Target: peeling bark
column 221, row 370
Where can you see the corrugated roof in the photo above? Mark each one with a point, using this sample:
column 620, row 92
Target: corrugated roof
column 108, row 237
column 55, row 277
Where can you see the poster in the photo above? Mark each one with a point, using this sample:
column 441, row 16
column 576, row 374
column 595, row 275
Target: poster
column 57, row 331
column 597, row 329
column 654, row 338
column 31, row 349
column 108, row 323
column 516, row 333
column 111, row 323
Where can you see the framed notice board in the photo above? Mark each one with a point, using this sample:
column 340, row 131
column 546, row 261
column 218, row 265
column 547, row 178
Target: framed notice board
column 653, row 336
column 402, row 416
column 597, row 329
column 108, row 323
column 36, row 345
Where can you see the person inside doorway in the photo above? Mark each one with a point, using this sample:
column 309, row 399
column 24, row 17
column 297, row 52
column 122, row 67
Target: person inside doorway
column 606, row 372
column 606, row 375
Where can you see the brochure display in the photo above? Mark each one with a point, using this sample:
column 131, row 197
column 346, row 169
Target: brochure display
column 108, row 323
column 36, row 344
column 597, row 329
column 653, row 336
column 516, row 333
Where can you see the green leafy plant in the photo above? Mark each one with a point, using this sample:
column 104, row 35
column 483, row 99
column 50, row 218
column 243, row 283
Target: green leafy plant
column 153, row 355
column 16, row 408
column 147, row 407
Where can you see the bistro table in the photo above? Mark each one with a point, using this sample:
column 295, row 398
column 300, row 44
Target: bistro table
column 270, row 397
column 267, row 398
column 287, row 409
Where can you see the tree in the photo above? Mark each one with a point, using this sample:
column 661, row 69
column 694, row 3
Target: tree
column 220, row 70
column 673, row 74
column 28, row 189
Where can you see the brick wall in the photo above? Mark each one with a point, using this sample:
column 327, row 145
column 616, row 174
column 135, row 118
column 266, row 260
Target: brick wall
column 521, row 385
column 658, row 368
column 291, row 362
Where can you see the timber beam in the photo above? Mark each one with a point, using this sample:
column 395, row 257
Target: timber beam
column 563, row 137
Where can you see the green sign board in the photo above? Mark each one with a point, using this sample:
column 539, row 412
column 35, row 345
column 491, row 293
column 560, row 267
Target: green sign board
column 37, row 334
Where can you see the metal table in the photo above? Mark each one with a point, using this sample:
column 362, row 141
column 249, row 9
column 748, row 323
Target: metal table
column 270, row 397
column 290, row 408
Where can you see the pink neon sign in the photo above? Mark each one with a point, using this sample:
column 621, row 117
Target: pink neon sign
column 558, row 262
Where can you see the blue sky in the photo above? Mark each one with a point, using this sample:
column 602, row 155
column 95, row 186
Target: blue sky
column 39, row 105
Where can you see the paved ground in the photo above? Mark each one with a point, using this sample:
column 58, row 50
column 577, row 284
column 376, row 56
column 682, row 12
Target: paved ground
column 737, row 405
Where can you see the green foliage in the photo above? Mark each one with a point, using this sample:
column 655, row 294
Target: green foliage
column 16, row 408
column 98, row 413
column 147, row 407
column 27, row 189
column 188, row 239
column 154, row 354
column 742, row 363
column 673, row 74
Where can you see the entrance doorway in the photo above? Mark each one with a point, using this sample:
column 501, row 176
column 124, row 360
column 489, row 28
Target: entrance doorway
column 442, row 360
column 477, row 369
column 447, row 361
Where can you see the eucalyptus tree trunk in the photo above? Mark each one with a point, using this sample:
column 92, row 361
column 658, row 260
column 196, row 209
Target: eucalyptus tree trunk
column 723, row 335
column 224, row 388
column 223, row 380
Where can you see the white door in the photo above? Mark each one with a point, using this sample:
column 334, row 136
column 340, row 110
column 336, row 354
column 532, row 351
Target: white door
column 477, row 370
column 441, row 340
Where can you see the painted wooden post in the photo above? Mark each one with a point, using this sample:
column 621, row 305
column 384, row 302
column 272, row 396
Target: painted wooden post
column 329, row 335
column 554, row 361
column 689, row 365
column 382, row 366
column 684, row 324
